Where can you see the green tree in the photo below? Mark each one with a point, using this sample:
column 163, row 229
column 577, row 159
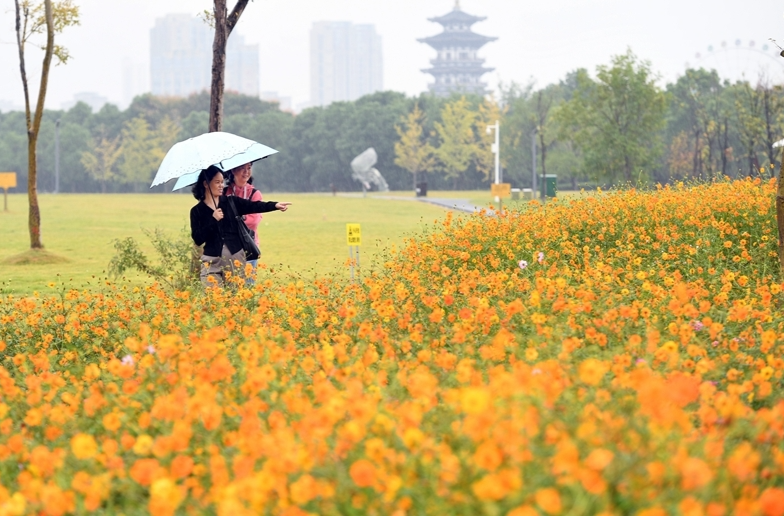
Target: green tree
column 772, row 116
column 34, row 19
column 748, row 108
column 100, row 160
column 696, row 112
column 457, row 141
column 412, row 151
column 143, row 149
column 616, row 119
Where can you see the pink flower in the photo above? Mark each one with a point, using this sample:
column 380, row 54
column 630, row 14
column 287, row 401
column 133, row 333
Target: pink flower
column 523, row 264
column 150, row 350
column 128, row 360
column 541, row 257
column 697, row 325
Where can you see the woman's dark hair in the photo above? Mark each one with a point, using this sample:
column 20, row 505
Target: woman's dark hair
column 208, row 174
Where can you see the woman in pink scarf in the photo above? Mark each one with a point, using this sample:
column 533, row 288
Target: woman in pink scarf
column 241, row 185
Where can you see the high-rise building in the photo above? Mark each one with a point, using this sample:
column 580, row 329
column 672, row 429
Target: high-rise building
column 345, row 62
column 457, row 68
column 242, row 66
column 181, row 58
column 136, row 80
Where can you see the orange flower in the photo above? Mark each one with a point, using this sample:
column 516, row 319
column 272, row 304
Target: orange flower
column 599, row 459
column 489, row 487
column 743, row 462
column 591, row 371
column 695, row 474
column 181, row 466
column 303, row 490
column 111, row 421
column 548, row 500
column 772, row 501
column 144, row 471
column 363, row 473
column 523, row 510
column 488, row 456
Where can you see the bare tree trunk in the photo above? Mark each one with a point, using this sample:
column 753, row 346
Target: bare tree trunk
column 224, row 24
column 218, row 66
column 34, row 125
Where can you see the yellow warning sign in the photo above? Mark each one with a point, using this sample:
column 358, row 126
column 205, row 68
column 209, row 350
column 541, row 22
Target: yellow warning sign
column 353, row 234
column 7, row 180
column 501, row 190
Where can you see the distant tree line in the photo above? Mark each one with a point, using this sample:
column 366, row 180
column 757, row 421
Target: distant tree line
column 615, row 126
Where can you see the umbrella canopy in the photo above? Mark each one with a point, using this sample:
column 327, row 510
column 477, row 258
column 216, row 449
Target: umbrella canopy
column 185, row 160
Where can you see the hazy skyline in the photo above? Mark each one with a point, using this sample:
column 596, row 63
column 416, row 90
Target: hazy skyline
column 542, row 40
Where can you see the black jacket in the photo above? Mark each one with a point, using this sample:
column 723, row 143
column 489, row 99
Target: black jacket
column 213, row 234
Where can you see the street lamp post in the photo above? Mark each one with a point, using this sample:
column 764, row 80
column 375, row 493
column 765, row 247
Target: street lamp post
column 496, row 150
column 533, row 164
column 57, row 156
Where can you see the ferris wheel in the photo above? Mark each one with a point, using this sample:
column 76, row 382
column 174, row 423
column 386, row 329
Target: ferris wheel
column 740, row 60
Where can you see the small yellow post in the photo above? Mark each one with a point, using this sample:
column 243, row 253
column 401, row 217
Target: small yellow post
column 7, row 180
column 501, row 191
column 354, row 240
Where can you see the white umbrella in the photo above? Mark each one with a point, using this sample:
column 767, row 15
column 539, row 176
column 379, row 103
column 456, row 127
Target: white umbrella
column 779, row 143
column 185, row 160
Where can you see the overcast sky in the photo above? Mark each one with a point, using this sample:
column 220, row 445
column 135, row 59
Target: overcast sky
column 542, row 40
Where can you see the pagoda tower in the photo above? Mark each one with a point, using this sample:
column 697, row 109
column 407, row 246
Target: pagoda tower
column 457, row 68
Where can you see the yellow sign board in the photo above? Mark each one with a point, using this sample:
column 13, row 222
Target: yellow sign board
column 7, row 180
column 353, row 234
column 501, row 190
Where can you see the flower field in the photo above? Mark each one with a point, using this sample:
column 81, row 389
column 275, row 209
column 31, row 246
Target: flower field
column 614, row 354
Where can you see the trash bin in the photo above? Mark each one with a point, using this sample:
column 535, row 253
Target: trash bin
column 421, row 189
column 549, row 185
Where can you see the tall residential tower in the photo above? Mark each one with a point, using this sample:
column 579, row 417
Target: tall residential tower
column 345, row 62
column 181, row 58
column 457, row 67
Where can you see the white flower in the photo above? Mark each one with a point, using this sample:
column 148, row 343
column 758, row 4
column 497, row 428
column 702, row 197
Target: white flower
column 523, row 264
column 150, row 350
column 128, row 360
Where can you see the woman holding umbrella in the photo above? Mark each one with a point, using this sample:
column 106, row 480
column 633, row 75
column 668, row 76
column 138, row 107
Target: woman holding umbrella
column 214, row 224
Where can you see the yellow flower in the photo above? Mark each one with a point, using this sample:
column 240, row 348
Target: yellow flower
column 143, row 445
column 84, row 446
column 474, row 400
column 591, row 371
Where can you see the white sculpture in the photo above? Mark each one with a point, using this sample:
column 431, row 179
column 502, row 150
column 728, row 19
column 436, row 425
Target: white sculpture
column 365, row 173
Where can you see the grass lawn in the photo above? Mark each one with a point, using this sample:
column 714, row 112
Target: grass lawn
column 311, row 236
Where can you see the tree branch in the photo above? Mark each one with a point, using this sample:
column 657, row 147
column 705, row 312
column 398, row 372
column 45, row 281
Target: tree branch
column 20, row 41
column 39, row 109
column 234, row 16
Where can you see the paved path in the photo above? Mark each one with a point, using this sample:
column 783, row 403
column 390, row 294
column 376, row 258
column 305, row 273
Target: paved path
column 463, row 205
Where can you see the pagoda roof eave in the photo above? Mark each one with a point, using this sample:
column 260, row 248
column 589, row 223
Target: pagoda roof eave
column 454, row 71
column 457, row 38
column 457, row 16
